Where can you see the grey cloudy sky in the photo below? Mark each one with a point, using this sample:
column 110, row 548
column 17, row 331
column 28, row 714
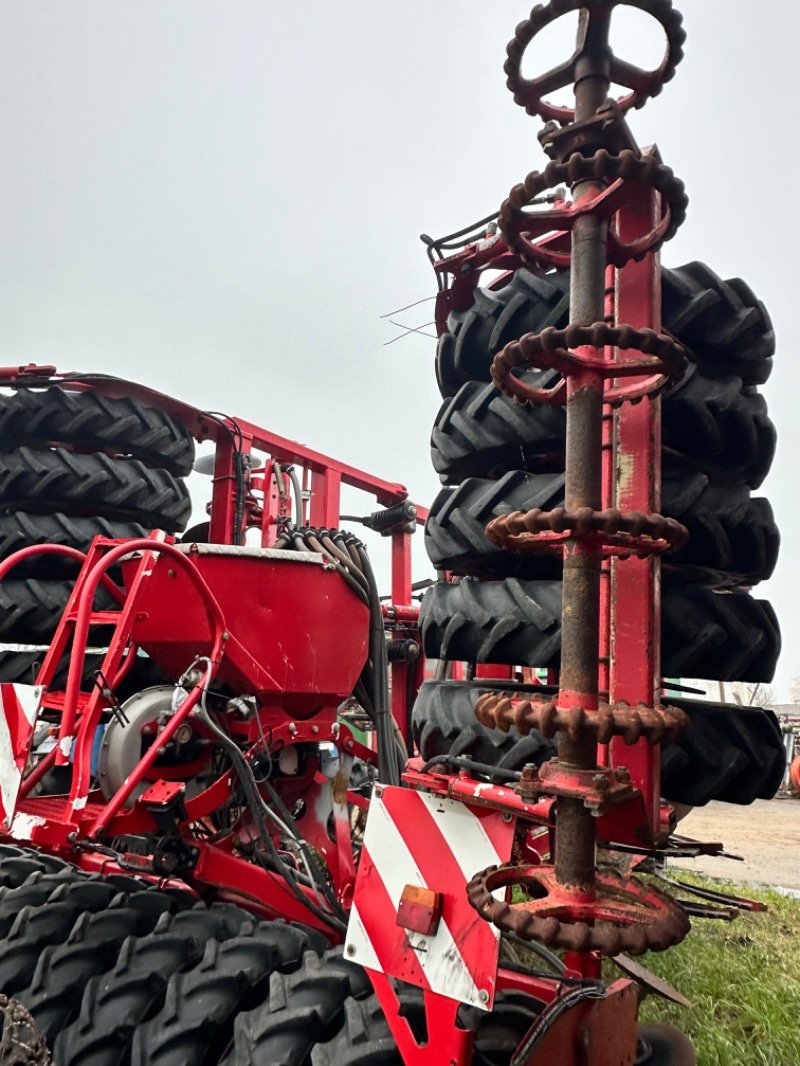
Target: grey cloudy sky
column 222, row 199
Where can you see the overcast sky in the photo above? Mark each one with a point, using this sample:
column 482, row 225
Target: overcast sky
column 222, row 198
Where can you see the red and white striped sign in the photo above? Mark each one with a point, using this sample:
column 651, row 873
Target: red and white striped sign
column 19, row 706
column 413, row 838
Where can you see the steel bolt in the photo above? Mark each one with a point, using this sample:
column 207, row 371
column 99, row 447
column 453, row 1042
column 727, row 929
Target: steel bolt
column 351, row 950
column 483, row 996
column 378, row 791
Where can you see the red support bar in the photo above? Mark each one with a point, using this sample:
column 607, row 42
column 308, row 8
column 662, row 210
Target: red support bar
column 635, row 666
column 326, row 487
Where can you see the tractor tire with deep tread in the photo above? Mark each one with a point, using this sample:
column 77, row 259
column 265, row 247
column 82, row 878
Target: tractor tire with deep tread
column 303, row 1008
column 722, row 756
column 721, row 322
column 54, row 994
column 31, row 608
column 527, row 304
column 20, row 530
column 455, row 533
column 83, row 485
column 114, row 970
column 36, row 927
column 717, row 636
column 18, row 864
column 23, row 667
column 724, row 326
column 444, row 723
column 90, row 422
column 200, row 1004
column 365, row 1038
column 719, row 426
column 493, row 622
column 731, row 753
column 171, row 970
column 733, row 538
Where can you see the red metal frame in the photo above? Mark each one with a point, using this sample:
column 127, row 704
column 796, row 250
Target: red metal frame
column 559, row 812
column 84, row 814
column 217, row 867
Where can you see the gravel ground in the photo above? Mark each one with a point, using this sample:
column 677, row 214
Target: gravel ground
column 766, row 835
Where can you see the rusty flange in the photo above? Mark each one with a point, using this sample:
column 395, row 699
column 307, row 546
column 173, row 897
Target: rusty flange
column 657, row 725
column 592, row 45
column 660, row 361
column 598, row 788
column 623, row 172
column 614, row 915
column 613, row 532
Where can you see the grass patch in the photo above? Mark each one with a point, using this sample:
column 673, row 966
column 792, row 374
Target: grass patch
column 743, row 979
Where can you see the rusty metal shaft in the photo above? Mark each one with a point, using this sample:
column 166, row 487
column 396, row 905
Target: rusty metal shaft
column 575, row 839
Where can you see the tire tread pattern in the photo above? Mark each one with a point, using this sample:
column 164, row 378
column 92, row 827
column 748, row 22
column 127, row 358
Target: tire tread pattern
column 717, row 636
column 92, row 422
column 81, row 485
column 730, row 753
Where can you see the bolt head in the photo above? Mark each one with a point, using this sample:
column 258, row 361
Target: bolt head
column 350, row 950
column 483, row 996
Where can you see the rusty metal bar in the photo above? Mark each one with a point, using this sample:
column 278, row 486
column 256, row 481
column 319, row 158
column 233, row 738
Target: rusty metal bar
column 575, row 840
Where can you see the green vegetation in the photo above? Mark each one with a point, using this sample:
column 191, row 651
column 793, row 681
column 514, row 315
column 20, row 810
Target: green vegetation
column 743, row 980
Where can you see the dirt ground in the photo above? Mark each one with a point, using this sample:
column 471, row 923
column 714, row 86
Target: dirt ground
column 766, row 835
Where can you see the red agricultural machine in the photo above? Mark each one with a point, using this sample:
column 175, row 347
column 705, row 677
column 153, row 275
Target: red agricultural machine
column 253, row 811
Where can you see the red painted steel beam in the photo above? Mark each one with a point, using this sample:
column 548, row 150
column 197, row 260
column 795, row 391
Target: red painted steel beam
column 635, row 617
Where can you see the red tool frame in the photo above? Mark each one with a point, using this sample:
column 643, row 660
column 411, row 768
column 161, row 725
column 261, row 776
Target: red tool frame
column 618, row 574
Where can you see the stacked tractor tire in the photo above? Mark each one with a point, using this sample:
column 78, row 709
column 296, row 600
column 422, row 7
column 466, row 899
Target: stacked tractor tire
column 75, row 464
column 495, row 456
column 113, row 971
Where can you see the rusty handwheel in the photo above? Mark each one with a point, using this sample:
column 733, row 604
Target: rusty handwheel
column 626, row 174
column 661, row 360
column 614, row 533
column 617, row 915
column 592, row 44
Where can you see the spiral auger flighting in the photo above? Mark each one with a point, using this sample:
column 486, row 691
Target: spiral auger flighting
column 605, row 363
